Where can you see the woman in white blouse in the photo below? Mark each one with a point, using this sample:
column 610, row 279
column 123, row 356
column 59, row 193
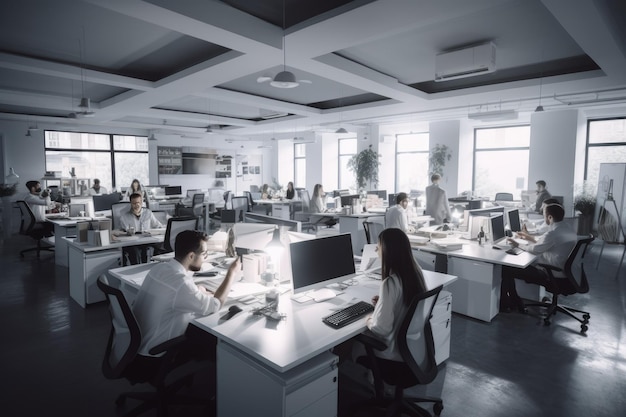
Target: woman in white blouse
column 402, row 280
column 317, row 203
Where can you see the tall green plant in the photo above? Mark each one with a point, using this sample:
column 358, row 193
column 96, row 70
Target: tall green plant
column 365, row 166
column 437, row 159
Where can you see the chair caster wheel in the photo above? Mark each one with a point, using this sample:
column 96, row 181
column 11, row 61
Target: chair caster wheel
column 546, row 322
column 437, row 408
column 586, row 317
column 583, row 329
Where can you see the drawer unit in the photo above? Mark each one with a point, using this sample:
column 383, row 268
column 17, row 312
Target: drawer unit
column 440, row 323
column 477, row 290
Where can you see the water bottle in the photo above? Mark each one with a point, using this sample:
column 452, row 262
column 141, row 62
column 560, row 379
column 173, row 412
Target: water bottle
column 481, row 236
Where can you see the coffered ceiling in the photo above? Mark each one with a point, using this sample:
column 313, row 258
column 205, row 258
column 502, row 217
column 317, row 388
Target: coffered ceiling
column 186, row 65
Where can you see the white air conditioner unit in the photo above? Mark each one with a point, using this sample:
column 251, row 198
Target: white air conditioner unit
column 301, row 139
column 467, row 62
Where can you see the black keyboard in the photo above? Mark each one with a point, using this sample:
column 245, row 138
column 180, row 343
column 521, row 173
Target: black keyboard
column 514, row 251
column 348, row 315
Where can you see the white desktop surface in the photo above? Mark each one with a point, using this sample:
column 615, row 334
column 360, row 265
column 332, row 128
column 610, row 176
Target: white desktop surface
column 123, row 242
column 285, row 344
column 473, row 251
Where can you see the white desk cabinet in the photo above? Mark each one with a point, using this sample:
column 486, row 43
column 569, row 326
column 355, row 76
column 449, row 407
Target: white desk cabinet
column 84, row 270
column 476, row 292
column 425, row 260
column 309, row 389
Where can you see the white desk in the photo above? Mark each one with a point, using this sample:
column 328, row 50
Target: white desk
column 284, row 368
column 477, row 291
column 87, row 263
column 63, row 228
column 282, row 209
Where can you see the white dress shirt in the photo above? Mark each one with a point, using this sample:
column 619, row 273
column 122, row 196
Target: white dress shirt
column 145, row 221
column 554, row 246
column 387, row 317
column 397, row 217
column 317, row 205
column 38, row 205
column 167, row 301
column 101, row 191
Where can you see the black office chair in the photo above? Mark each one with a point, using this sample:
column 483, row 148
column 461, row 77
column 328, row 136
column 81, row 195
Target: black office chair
column 195, row 209
column 372, row 230
column 417, row 348
column 31, row 228
column 572, row 279
column 240, row 205
column 504, row 197
column 175, row 225
column 120, row 360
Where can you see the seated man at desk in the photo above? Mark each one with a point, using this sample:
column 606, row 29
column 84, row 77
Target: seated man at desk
column 169, row 300
column 397, row 216
column 96, row 188
column 140, row 219
column 542, row 195
column 39, row 201
column 553, row 248
column 541, row 226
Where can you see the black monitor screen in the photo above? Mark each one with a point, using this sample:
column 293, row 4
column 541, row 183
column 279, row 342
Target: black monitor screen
column 173, row 190
column 229, row 216
column 346, row 200
column 514, row 222
column 105, row 201
column 497, row 227
column 392, row 199
column 318, row 262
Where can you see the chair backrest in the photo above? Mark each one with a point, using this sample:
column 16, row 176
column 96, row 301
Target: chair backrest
column 504, row 197
column 125, row 336
column 198, row 198
column 227, row 196
column 116, row 212
column 574, row 268
column 303, row 195
column 415, row 337
column 374, row 229
column 251, row 202
column 27, row 221
column 175, row 225
column 239, row 204
column 366, row 227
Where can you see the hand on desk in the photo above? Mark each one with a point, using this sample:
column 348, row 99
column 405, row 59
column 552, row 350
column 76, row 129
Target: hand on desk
column 375, row 300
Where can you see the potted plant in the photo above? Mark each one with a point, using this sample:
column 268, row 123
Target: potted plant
column 437, row 159
column 585, row 205
column 7, row 190
column 365, row 166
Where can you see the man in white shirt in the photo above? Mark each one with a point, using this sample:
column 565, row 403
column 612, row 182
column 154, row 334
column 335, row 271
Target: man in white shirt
column 437, row 205
column 169, row 300
column 553, row 248
column 97, row 189
column 397, row 216
column 141, row 219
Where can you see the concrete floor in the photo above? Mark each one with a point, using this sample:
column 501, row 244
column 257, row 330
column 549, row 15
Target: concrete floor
column 514, row 366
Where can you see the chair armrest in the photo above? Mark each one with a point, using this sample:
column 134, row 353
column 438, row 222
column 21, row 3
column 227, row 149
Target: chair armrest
column 368, row 339
column 168, row 345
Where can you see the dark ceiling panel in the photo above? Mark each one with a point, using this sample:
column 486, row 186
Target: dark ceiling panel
column 296, row 11
column 348, row 101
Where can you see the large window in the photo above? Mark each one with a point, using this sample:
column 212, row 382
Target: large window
column 115, row 159
column 501, row 160
column 606, row 142
column 411, row 162
column 299, row 164
column 347, row 148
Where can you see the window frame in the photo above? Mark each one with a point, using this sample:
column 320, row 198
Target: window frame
column 339, row 155
column 589, row 145
column 295, row 165
column 396, row 153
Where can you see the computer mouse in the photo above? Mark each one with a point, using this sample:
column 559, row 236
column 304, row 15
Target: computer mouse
column 234, row 310
column 445, row 227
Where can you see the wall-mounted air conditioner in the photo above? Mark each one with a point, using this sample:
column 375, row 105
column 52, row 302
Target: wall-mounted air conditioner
column 466, row 62
column 302, row 139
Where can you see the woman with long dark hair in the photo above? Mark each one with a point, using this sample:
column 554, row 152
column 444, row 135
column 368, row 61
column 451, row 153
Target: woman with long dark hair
column 402, row 280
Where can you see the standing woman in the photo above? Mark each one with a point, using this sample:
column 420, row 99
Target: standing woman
column 402, row 280
column 317, row 205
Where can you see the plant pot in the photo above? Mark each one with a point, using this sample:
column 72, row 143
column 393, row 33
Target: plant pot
column 585, row 224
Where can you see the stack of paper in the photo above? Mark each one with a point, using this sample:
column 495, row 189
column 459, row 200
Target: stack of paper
column 449, row 243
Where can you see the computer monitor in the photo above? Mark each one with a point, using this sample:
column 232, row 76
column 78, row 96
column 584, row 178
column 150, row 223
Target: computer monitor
column 319, row 262
column 339, row 193
column 88, row 202
column 392, row 199
column 497, row 228
column 228, row 216
column 514, row 221
column 380, row 193
column 254, row 236
column 346, row 200
column 173, row 190
column 75, row 209
column 487, row 212
column 105, row 201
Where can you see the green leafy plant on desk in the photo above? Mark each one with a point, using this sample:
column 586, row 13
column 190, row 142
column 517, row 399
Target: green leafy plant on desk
column 585, row 204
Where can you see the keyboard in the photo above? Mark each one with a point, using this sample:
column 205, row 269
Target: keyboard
column 348, row 315
column 514, row 251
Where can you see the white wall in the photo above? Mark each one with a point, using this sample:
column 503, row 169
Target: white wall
column 448, row 133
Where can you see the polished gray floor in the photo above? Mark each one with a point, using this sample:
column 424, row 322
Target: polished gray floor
column 514, row 366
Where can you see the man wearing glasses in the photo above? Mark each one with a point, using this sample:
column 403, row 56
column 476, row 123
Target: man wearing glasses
column 169, row 298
